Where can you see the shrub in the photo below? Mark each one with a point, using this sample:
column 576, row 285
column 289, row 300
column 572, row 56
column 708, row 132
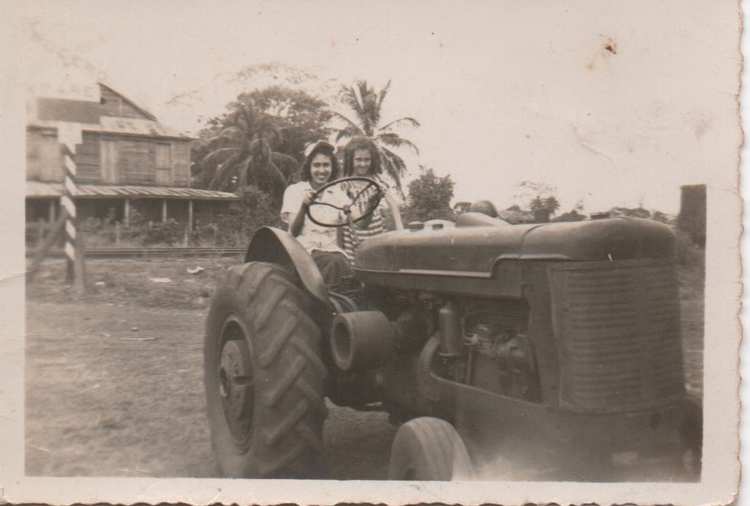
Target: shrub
column 169, row 232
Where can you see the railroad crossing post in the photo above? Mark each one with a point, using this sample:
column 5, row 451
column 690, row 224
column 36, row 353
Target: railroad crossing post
column 69, row 136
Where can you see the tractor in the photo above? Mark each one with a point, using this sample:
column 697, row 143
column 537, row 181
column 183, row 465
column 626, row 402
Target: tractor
column 533, row 351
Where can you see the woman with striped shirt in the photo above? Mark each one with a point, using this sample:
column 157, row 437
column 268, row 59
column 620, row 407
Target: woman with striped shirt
column 361, row 158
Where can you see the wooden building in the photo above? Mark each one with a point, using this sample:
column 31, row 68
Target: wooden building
column 127, row 161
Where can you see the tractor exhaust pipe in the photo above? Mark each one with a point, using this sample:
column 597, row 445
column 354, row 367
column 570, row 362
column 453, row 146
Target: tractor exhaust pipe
column 361, row 340
column 449, row 324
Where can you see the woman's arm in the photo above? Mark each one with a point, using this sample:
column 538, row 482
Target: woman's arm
column 299, row 220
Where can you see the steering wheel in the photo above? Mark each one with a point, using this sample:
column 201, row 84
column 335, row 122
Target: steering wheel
column 357, row 196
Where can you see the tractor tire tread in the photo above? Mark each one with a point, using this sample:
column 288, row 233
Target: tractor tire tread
column 289, row 375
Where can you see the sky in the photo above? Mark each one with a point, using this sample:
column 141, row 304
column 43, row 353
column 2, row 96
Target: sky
column 609, row 103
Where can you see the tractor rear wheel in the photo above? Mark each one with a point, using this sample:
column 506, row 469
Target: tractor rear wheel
column 429, row 449
column 264, row 376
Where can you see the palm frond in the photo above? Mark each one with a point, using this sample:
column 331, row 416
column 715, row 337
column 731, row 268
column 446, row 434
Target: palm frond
column 224, row 172
column 351, row 124
column 394, row 140
column 368, row 104
column 411, row 121
column 383, row 93
column 393, row 165
column 231, row 133
column 272, row 134
column 216, row 155
column 349, row 96
column 353, row 97
column 347, row 133
column 277, row 175
column 242, row 171
column 249, row 116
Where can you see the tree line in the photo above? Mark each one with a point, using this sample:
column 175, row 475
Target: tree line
column 256, row 147
column 258, row 142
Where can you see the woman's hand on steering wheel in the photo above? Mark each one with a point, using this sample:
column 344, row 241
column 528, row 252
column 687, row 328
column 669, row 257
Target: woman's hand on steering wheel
column 372, row 201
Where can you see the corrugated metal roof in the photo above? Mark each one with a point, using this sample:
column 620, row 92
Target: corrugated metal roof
column 136, row 126
column 91, row 116
column 127, row 126
column 74, row 111
column 38, row 189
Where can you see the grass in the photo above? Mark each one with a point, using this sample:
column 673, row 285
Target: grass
column 103, row 399
column 136, row 281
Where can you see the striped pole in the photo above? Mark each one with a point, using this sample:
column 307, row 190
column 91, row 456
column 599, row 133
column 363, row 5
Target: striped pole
column 69, row 136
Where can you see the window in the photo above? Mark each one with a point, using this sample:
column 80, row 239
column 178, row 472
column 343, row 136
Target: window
column 163, row 164
column 163, row 156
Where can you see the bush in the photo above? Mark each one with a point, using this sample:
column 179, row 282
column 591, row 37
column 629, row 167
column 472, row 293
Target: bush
column 232, row 228
column 97, row 231
column 235, row 227
column 169, row 232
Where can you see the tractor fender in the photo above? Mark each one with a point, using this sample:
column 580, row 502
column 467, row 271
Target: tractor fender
column 276, row 246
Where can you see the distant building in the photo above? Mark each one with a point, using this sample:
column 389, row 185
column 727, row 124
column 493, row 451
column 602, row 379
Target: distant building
column 127, row 161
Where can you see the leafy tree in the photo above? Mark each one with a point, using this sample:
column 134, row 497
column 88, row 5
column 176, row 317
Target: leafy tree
column 635, row 212
column 572, row 215
column 240, row 151
column 430, row 197
column 543, row 208
column 301, row 117
column 661, row 217
column 287, row 119
column 366, row 103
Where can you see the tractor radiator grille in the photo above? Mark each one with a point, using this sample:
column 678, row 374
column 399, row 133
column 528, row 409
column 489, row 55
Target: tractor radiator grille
column 618, row 329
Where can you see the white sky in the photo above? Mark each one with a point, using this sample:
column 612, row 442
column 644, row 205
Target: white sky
column 505, row 90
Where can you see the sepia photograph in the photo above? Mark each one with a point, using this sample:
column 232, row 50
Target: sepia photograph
column 491, row 248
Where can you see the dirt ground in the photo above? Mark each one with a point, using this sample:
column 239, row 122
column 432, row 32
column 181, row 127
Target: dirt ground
column 114, row 379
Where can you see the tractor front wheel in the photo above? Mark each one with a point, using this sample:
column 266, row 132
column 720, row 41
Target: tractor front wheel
column 429, row 449
column 264, row 376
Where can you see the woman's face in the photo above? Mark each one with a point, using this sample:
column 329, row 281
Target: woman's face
column 320, row 170
column 362, row 162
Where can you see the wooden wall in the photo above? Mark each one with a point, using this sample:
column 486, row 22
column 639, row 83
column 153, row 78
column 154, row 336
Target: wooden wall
column 43, row 156
column 181, row 161
column 111, row 159
column 87, row 159
column 115, row 105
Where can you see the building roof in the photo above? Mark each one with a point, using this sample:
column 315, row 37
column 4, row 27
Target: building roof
column 90, row 116
column 38, row 190
column 114, row 125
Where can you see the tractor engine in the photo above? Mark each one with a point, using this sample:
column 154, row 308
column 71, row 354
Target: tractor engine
column 566, row 333
column 481, row 342
column 500, row 356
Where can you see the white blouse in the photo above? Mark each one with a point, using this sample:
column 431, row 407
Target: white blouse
column 313, row 236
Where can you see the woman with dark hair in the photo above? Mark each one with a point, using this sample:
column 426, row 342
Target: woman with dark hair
column 362, row 159
column 319, row 168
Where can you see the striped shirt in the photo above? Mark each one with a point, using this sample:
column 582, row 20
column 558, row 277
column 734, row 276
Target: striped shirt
column 357, row 233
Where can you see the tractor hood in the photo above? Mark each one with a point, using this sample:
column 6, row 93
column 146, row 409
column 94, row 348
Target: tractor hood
column 474, row 246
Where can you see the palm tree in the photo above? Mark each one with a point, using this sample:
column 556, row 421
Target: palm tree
column 367, row 103
column 240, row 152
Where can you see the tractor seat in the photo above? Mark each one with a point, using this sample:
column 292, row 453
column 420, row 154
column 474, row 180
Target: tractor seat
column 472, row 219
